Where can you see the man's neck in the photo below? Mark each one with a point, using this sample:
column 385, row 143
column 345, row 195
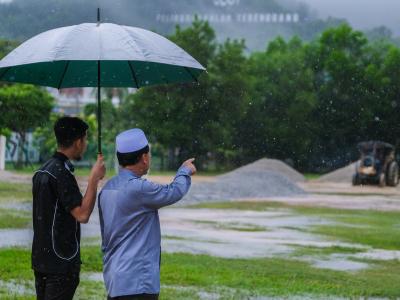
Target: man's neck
column 136, row 169
column 66, row 152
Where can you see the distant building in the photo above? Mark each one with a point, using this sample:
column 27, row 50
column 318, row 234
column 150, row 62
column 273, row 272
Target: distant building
column 72, row 101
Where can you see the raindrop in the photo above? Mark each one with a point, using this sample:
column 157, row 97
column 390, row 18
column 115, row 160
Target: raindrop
column 377, row 119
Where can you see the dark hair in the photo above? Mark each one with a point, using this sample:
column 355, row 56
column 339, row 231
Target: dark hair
column 131, row 158
column 68, row 130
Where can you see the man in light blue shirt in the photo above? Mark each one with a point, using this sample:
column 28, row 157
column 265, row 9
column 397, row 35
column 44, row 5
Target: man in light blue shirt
column 130, row 226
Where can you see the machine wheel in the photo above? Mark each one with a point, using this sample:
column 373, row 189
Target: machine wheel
column 392, row 177
column 356, row 179
column 382, row 180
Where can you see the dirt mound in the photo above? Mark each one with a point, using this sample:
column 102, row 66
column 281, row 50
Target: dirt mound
column 271, row 165
column 344, row 174
column 253, row 181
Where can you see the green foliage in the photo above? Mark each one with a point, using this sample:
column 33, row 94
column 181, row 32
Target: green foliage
column 44, row 138
column 307, row 103
column 6, row 46
column 23, row 108
column 195, row 120
column 110, row 128
column 283, row 100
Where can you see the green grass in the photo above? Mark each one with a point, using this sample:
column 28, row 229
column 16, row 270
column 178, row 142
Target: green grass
column 311, row 176
column 12, row 218
column 240, row 205
column 263, row 276
column 318, row 251
column 373, row 228
column 24, row 170
column 15, row 192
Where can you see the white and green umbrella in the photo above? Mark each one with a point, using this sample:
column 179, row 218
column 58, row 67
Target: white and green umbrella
column 99, row 55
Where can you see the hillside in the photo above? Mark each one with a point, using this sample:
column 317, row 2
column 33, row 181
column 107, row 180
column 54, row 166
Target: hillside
column 258, row 21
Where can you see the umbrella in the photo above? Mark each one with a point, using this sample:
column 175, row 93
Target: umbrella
column 99, row 55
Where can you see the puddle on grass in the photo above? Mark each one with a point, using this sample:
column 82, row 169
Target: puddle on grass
column 338, row 262
column 378, row 254
column 195, row 231
column 15, row 237
column 25, row 206
column 17, row 288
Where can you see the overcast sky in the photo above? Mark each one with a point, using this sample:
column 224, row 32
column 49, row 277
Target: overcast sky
column 362, row 14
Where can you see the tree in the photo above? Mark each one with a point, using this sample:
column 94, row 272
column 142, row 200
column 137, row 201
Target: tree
column 110, row 128
column 196, row 119
column 6, row 46
column 23, row 108
column 339, row 60
column 278, row 122
column 174, row 115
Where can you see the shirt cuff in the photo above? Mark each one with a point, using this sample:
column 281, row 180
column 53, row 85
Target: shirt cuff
column 184, row 171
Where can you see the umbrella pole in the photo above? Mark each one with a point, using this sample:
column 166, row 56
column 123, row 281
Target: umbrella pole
column 98, row 110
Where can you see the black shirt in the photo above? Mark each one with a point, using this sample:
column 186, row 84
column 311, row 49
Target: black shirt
column 56, row 233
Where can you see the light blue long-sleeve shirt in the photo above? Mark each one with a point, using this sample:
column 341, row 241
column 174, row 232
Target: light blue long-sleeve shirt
column 130, row 230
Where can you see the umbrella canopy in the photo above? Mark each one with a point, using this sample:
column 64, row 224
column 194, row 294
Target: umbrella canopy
column 70, row 57
column 99, row 55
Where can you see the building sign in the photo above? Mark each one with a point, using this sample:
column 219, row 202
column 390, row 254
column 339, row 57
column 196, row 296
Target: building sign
column 229, row 11
column 224, row 3
column 228, row 18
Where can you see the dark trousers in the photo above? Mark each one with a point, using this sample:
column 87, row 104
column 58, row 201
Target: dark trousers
column 135, row 297
column 56, row 286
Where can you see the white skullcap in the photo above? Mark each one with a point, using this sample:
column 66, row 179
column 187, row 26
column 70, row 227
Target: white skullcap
column 131, row 140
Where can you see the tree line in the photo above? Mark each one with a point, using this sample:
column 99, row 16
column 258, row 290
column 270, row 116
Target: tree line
column 308, row 103
column 305, row 102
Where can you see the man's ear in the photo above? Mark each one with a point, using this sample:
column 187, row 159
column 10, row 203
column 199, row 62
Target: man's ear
column 78, row 143
column 145, row 158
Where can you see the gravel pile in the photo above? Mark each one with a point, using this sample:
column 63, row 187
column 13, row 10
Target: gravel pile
column 253, row 181
column 344, row 174
column 272, row 165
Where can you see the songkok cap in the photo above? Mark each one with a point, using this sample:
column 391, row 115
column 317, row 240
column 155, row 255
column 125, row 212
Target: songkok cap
column 131, row 140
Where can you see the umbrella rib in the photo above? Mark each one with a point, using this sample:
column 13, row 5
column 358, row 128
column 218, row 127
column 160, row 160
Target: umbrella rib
column 190, row 73
column 63, row 75
column 5, row 71
column 133, row 74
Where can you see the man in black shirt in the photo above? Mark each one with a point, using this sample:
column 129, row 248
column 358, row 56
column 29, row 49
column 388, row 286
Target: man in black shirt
column 58, row 210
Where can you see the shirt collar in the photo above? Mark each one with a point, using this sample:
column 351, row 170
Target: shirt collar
column 128, row 173
column 65, row 160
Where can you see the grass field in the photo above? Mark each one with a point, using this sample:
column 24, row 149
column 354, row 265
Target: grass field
column 229, row 278
column 188, row 276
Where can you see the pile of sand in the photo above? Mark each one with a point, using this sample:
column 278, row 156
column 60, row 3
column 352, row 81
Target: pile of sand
column 260, row 180
column 344, row 174
column 271, row 165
